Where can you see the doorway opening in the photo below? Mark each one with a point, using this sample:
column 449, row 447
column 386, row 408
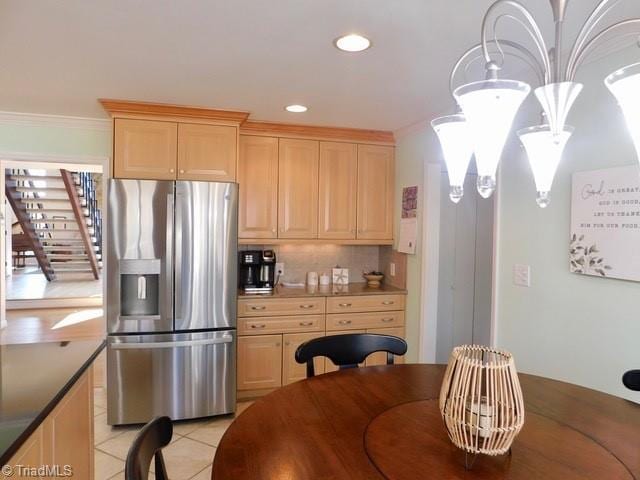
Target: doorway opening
column 51, row 255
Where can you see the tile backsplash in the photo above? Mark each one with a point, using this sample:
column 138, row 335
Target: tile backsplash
column 300, row 259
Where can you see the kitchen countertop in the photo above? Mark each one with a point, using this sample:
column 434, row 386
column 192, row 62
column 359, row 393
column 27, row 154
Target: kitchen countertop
column 327, row 291
column 34, row 377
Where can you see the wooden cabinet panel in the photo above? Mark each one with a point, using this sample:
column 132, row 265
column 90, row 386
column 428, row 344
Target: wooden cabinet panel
column 292, row 324
column 248, row 307
column 298, row 188
column 375, row 192
column 207, row 152
column 31, row 454
column 259, row 362
column 293, row 371
column 144, row 149
column 348, row 321
column 337, row 190
column 365, row 303
column 380, row 358
column 258, row 179
column 69, row 429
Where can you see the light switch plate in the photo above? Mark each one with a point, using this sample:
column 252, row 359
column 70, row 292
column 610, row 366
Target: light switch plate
column 522, row 275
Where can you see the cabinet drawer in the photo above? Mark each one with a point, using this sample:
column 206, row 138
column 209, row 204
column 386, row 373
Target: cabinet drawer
column 365, row 303
column 289, row 324
column 349, row 321
column 261, row 307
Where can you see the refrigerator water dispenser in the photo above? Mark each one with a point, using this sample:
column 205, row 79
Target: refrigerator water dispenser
column 139, row 288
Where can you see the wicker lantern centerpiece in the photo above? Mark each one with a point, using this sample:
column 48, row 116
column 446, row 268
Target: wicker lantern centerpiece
column 481, row 400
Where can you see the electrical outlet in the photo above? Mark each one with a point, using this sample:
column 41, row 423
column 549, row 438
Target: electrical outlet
column 279, row 268
column 392, row 269
column 522, row 275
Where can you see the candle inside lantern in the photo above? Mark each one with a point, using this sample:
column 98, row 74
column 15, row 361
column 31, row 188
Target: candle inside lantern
column 483, row 421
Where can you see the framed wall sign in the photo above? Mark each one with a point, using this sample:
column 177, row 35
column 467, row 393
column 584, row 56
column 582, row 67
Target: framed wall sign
column 605, row 223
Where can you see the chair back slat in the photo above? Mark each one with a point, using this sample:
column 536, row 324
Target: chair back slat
column 631, row 380
column 148, row 444
column 348, row 350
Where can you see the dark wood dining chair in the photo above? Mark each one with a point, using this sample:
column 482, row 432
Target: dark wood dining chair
column 631, row 380
column 348, row 350
column 153, row 437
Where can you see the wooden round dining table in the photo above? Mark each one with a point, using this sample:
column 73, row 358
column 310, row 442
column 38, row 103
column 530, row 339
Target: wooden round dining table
column 383, row 423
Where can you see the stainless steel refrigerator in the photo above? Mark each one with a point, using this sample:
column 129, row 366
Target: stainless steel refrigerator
column 171, row 299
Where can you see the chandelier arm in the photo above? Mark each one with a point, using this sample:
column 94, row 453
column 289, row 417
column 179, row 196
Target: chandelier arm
column 599, row 13
column 591, row 44
column 533, row 29
column 527, row 57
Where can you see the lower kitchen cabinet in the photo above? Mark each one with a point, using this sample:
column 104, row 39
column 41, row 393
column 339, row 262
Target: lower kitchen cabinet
column 259, row 362
column 293, row 371
column 65, row 436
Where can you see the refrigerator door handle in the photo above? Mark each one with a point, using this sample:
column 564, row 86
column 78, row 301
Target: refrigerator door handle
column 179, row 343
column 169, row 253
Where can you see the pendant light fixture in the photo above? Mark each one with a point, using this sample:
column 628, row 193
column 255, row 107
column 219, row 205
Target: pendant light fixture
column 491, row 105
column 456, row 146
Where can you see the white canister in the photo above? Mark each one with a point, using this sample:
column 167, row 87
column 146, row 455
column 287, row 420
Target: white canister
column 325, row 279
column 312, row 278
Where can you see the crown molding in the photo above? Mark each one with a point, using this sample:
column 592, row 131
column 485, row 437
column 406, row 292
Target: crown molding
column 61, row 121
column 127, row 107
column 253, row 127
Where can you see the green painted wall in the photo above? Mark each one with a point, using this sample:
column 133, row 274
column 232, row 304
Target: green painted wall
column 55, row 140
column 413, row 151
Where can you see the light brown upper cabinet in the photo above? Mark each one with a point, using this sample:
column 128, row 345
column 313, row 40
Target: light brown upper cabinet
column 338, row 185
column 375, row 192
column 207, row 152
column 298, row 188
column 258, row 179
column 145, row 149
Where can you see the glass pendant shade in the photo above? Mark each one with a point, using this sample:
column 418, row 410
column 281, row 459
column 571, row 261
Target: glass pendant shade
column 490, row 106
column 456, row 146
column 544, row 149
column 556, row 100
column 625, row 85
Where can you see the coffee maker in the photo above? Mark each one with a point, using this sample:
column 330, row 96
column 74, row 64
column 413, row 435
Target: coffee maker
column 257, row 271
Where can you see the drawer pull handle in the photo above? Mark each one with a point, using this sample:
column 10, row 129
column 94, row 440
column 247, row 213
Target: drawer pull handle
column 344, row 322
column 344, row 305
column 258, row 325
column 388, row 302
column 307, row 306
column 306, row 324
column 261, row 307
column 387, row 320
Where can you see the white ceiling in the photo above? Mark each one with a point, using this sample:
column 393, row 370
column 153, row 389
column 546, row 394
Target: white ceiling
column 59, row 56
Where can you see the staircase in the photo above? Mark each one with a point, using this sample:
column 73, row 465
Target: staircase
column 60, row 219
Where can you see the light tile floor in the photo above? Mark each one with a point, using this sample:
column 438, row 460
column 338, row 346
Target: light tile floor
column 188, row 457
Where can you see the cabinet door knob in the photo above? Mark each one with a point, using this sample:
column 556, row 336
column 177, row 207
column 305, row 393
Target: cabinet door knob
column 273, row 231
column 181, row 171
column 172, row 170
column 278, row 344
column 287, row 343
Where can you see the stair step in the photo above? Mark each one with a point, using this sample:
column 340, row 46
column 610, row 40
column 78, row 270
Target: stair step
column 35, row 177
column 59, row 263
column 65, row 256
column 53, row 220
column 72, row 270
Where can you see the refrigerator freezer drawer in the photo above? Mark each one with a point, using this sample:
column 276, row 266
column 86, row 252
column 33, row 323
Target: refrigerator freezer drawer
column 186, row 375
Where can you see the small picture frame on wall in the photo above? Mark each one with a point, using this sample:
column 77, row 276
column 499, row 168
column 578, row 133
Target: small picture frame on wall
column 340, row 276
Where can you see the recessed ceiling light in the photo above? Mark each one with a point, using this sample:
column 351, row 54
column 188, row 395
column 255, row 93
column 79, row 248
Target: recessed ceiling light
column 352, row 43
column 296, row 108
